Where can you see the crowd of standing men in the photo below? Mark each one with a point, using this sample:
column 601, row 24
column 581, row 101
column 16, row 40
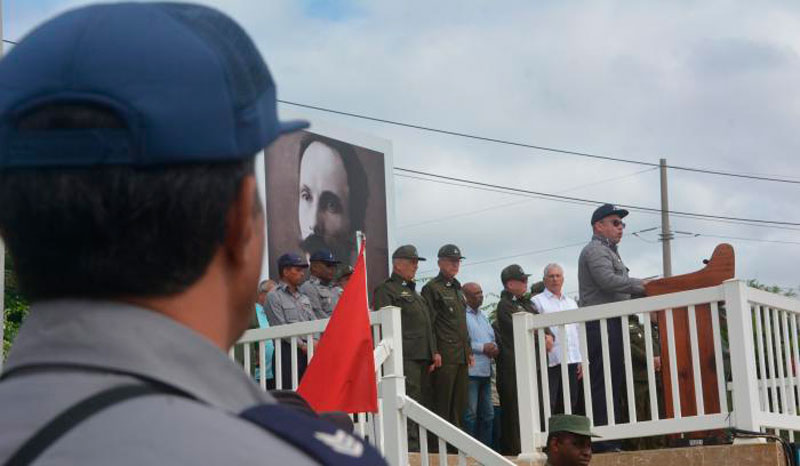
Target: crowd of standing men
column 451, row 351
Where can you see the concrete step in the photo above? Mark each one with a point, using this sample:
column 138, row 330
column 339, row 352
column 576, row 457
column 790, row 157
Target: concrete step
column 758, row 454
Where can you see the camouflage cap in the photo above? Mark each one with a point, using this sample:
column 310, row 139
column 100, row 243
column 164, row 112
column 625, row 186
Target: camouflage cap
column 572, row 423
column 513, row 272
column 450, row 250
column 407, row 251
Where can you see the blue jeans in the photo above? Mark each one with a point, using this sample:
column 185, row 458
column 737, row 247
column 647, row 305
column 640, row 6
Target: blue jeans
column 479, row 413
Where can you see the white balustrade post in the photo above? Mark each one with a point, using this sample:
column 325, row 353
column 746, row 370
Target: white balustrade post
column 393, row 390
column 527, row 394
column 742, row 351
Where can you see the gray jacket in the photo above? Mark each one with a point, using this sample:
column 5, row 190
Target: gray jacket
column 602, row 276
column 284, row 307
column 118, row 339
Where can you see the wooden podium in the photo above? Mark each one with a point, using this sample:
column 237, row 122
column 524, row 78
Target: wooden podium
column 719, row 268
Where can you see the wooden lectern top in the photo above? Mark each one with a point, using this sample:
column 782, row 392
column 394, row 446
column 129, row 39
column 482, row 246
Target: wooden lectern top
column 719, row 268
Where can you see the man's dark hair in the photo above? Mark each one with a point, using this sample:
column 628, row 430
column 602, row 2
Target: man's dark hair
column 112, row 231
column 356, row 175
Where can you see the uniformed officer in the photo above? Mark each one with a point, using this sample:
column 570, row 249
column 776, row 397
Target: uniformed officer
column 641, row 385
column 343, row 273
column 129, row 135
column 512, row 300
column 420, row 354
column 319, row 287
column 287, row 305
column 569, row 440
column 603, row 278
column 448, row 317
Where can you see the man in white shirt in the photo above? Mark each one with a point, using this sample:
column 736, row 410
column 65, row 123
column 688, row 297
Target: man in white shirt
column 552, row 299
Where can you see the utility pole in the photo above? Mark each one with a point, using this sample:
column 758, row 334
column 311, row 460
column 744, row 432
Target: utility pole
column 666, row 234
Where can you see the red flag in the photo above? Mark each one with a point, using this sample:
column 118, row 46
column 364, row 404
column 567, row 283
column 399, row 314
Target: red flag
column 341, row 375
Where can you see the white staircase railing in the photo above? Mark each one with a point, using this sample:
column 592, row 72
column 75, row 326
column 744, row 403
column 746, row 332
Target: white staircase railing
column 386, row 430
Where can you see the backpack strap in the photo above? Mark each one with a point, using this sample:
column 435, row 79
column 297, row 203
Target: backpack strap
column 74, row 415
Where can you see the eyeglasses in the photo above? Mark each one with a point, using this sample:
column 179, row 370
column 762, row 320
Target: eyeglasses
column 617, row 223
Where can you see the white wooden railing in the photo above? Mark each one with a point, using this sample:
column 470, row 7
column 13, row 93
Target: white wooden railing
column 762, row 345
column 386, row 430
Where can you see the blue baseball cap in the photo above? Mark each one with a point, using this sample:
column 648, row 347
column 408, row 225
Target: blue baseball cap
column 324, row 255
column 186, row 81
column 291, row 259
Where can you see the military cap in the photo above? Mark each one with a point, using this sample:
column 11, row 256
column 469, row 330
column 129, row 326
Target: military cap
column 324, row 255
column 605, row 210
column 192, row 89
column 513, row 272
column 342, row 271
column 572, row 423
column 291, row 259
column 450, row 250
column 537, row 288
column 407, row 251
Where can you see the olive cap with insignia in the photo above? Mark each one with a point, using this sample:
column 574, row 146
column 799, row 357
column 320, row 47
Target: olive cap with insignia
column 571, row 423
column 450, row 250
column 513, row 272
column 407, row 251
column 343, row 270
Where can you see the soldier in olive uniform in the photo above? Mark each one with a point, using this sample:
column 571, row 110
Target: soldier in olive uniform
column 641, row 386
column 512, row 300
column 420, row 354
column 448, row 316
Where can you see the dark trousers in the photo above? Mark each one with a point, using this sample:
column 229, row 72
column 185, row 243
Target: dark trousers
column 286, row 365
column 557, row 394
column 418, row 387
column 597, row 375
column 450, row 392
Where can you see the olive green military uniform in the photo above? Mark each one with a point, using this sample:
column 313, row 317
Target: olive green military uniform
column 640, row 384
column 419, row 345
column 506, row 368
column 448, row 315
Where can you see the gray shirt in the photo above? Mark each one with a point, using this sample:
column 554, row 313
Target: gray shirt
column 602, row 277
column 157, row 429
column 287, row 307
column 323, row 297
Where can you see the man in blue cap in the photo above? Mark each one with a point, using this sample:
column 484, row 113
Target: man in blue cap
column 287, row 305
column 319, row 287
column 603, row 278
column 129, row 204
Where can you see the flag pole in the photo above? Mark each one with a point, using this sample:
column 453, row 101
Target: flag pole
column 2, row 248
column 361, row 238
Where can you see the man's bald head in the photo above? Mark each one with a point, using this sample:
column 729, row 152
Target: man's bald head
column 474, row 294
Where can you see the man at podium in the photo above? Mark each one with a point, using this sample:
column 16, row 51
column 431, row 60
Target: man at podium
column 603, row 278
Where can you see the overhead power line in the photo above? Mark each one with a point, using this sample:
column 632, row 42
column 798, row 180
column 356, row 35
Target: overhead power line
column 9, row 42
column 593, row 201
column 539, row 147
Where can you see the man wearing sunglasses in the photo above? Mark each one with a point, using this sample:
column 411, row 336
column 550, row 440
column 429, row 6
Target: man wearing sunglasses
column 603, row 278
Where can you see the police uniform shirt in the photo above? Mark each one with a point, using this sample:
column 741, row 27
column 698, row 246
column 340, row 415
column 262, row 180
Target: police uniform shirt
column 286, row 307
column 323, row 297
column 120, row 339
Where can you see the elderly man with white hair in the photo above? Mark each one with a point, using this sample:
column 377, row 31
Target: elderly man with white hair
column 552, row 299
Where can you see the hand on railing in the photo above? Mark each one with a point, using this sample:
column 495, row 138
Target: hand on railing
column 437, row 363
column 548, row 342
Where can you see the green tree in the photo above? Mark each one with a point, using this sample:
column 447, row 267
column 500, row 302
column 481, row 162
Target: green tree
column 790, row 292
column 16, row 306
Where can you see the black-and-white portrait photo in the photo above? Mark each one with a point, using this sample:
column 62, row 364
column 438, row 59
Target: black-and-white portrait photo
column 320, row 191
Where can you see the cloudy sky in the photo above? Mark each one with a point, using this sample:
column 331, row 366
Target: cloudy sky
column 708, row 84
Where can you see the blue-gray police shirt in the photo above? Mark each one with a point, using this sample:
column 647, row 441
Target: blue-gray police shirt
column 155, row 429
